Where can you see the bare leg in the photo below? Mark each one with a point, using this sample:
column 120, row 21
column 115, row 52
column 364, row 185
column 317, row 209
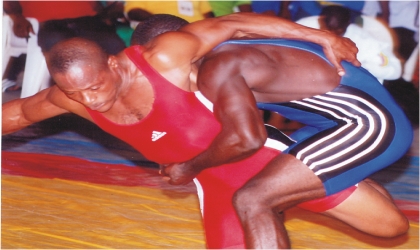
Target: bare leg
column 283, row 183
column 370, row 209
column 379, row 188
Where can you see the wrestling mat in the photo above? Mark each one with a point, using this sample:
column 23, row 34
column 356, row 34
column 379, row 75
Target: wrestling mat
column 66, row 184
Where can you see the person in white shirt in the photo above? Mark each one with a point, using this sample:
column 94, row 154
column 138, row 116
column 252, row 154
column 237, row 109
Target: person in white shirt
column 375, row 55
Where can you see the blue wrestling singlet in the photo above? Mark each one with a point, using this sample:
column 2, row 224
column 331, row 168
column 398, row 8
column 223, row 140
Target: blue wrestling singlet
column 352, row 131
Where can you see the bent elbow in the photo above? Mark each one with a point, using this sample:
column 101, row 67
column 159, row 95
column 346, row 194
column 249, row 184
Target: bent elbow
column 250, row 143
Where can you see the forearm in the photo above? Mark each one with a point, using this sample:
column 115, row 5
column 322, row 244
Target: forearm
column 225, row 149
column 13, row 118
column 20, row 113
column 242, row 134
column 253, row 25
column 209, row 33
column 280, row 28
column 12, row 7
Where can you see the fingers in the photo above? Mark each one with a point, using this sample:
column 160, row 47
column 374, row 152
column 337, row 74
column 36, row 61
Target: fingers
column 341, row 49
column 350, row 57
column 162, row 169
column 22, row 28
column 356, row 63
column 336, row 62
column 31, row 30
column 174, row 174
column 165, row 174
column 352, row 54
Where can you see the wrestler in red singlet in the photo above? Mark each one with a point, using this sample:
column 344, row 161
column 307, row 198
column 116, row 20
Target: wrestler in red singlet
column 177, row 129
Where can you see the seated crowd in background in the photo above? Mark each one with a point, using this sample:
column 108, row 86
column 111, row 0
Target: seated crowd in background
column 111, row 23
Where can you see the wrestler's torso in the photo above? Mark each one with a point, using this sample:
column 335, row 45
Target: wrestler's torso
column 176, row 129
column 275, row 73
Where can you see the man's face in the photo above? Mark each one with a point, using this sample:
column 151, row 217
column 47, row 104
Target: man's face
column 95, row 88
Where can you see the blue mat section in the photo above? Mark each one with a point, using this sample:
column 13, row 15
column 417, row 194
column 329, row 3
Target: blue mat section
column 401, row 179
column 70, row 135
column 73, row 144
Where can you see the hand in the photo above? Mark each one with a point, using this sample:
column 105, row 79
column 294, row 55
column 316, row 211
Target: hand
column 21, row 26
column 338, row 49
column 178, row 173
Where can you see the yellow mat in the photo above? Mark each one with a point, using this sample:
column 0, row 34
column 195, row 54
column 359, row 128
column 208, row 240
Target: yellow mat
column 55, row 213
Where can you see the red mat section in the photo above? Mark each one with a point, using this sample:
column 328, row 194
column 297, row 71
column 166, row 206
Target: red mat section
column 71, row 168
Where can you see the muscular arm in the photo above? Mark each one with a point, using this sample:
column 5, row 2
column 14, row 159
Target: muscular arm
column 195, row 40
column 242, row 128
column 21, row 113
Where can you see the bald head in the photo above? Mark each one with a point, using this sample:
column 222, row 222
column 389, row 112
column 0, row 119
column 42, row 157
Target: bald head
column 74, row 51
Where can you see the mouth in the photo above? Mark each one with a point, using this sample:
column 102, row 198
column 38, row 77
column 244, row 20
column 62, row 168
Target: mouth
column 96, row 107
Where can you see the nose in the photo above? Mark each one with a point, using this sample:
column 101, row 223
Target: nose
column 87, row 98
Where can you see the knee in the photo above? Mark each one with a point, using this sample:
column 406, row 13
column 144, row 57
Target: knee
column 394, row 226
column 246, row 202
column 401, row 226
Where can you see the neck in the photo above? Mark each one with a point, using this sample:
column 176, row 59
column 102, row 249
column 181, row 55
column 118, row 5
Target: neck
column 128, row 73
column 193, row 77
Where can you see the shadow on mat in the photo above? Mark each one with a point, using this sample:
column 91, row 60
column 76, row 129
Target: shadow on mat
column 320, row 221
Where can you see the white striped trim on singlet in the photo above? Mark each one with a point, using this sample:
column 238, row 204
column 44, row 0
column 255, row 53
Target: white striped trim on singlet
column 334, row 111
column 204, row 100
column 200, row 193
column 270, row 143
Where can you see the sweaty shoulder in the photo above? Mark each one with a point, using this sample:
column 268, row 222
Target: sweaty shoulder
column 170, row 48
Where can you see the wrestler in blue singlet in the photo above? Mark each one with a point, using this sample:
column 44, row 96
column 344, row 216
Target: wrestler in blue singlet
column 352, row 131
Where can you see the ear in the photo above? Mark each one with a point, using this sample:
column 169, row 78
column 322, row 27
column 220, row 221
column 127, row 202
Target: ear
column 112, row 62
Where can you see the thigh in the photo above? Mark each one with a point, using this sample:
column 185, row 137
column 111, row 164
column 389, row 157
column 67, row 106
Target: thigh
column 284, row 181
column 371, row 211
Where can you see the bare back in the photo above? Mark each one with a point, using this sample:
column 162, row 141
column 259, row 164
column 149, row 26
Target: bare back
column 273, row 73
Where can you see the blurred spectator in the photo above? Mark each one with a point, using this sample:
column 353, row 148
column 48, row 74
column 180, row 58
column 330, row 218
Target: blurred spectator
column 274, row 8
column 14, row 67
column 300, row 9
column 376, row 56
column 267, row 7
column 113, row 12
column 137, row 11
column 406, row 94
column 60, row 20
column 371, row 8
column 403, row 18
column 64, row 19
column 221, row 8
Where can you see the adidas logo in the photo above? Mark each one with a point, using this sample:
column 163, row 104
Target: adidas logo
column 156, row 135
